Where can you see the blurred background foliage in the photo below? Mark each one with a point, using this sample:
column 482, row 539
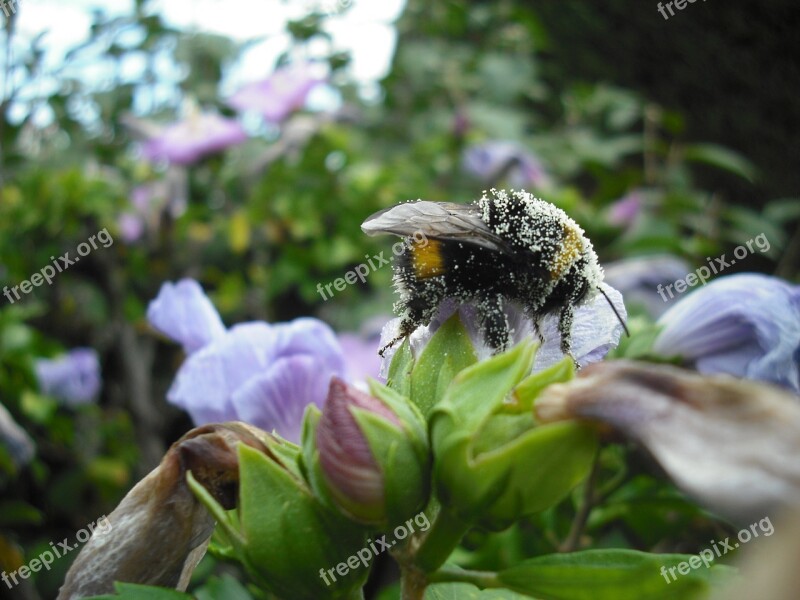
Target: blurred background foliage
column 695, row 115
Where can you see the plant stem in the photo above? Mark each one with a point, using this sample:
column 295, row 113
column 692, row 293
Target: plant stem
column 481, row 579
column 412, row 583
column 444, row 535
column 573, row 539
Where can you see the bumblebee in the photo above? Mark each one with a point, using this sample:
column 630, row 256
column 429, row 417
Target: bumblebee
column 508, row 247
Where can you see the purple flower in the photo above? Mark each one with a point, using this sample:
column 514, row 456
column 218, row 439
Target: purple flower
column 595, row 331
column 277, row 96
column 73, row 378
column 149, row 201
column 361, row 355
column 490, row 160
column 187, row 141
column 361, row 350
column 746, row 325
column 625, row 211
column 638, row 279
column 184, row 313
column 256, row 372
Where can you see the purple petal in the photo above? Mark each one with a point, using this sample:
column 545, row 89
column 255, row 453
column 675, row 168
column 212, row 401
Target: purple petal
column 73, row 378
column 208, row 379
column 486, row 162
column 184, row 313
column 276, row 399
column 746, row 325
column 640, row 279
column 131, row 227
column 624, row 211
column 595, row 331
column 276, row 97
column 361, row 356
column 309, row 336
column 185, row 142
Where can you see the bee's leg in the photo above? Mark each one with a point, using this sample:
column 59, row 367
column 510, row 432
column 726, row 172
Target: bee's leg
column 566, row 317
column 494, row 323
column 538, row 330
column 418, row 308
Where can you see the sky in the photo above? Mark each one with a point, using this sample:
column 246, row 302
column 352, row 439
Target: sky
column 365, row 29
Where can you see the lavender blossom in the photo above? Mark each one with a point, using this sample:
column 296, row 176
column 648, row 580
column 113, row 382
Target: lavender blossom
column 263, row 374
column 73, row 378
column 184, row 313
column 626, row 210
column 150, row 201
column 746, row 325
column 279, row 95
column 638, row 280
column 489, row 160
column 188, row 141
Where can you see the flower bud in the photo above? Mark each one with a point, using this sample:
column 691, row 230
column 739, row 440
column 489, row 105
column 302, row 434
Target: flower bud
column 372, row 454
column 289, row 543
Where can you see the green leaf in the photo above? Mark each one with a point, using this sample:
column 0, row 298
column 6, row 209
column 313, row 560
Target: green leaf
column 527, row 391
column 132, row 591
column 722, row 158
column 17, row 512
column 289, row 535
column 610, row 575
column 448, row 352
column 223, row 587
column 455, row 591
column 399, row 378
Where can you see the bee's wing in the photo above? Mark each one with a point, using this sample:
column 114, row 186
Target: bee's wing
column 437, row 220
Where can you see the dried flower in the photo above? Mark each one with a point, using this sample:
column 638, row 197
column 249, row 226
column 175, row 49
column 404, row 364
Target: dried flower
column 159, row 531
column 727, row 442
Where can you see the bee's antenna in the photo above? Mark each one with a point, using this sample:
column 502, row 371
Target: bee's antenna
column 614, row 308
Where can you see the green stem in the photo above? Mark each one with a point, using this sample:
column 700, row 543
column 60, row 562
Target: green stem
column 481, row 579
column 444, row 535
column 412, row 583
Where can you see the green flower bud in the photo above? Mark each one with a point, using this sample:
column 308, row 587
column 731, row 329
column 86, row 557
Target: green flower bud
column 368, row 454
column 287, row 540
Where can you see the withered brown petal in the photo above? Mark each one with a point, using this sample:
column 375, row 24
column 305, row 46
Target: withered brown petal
column 767, row 562
column 731, row 443
column 159, row 531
